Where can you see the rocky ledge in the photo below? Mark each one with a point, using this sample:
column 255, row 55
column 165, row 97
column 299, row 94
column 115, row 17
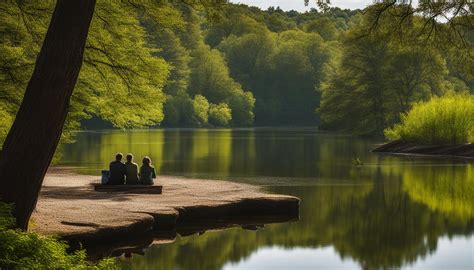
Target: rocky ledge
column 463, row 151
column 69, row 208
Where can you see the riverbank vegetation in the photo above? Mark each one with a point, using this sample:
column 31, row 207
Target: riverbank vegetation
column 170, row 66
column 442, row 120
column 27, row 250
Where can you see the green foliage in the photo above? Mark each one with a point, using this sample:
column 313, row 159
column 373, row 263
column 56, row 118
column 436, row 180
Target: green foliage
column 233, row 24
column 282, row 70
column 125, row 77
column 120, row 80
column 220, row 115
column 373, row 78
column 442, row 120
column 179, row 111
column 196, row 71
column 201, row 109
column 146, row 62
column 211, row 79
column 242, row 105
column 6, row 219
column 27, row 250
column 6, row 120
column 273, row 67
column 324, row 26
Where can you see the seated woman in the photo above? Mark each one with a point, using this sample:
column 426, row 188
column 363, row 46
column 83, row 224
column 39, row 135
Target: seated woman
column 147, row 172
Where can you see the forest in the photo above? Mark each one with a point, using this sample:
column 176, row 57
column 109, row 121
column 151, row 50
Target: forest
column 175, row 66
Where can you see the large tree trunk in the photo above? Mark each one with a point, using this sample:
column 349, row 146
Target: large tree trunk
column 34, row 136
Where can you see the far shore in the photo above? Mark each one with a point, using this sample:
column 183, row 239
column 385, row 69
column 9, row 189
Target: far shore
column 107, row 223
column 400, row 147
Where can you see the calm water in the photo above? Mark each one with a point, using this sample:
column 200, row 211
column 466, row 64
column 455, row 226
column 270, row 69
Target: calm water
column 391, row 212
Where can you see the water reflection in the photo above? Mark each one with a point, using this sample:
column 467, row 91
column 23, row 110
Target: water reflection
column 447, row 189
column 390, row 212
column 223, row 153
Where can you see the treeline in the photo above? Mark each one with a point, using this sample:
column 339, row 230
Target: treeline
column 169, row 65
column 200, row 90
column 276, row 58
column 379, row 76
column 361, row 70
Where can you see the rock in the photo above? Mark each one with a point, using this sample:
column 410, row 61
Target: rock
column 464, row 151
column 69, row 207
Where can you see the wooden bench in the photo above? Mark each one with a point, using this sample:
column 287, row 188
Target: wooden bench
column 135, row 189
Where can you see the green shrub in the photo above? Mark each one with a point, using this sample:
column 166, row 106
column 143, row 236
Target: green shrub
column 442, row 120
column 27, row 250
column 220, row 115
column 201, row 109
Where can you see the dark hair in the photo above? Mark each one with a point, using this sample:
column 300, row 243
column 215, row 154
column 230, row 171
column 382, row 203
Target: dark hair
column 119, row 156
column 147, row 160
column 129, row 157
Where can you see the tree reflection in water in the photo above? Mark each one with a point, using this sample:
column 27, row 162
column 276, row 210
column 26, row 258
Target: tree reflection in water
column 388, row 213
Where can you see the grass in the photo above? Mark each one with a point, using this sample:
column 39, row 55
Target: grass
column 446, row 120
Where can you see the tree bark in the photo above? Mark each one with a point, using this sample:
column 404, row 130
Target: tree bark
column 34, row 136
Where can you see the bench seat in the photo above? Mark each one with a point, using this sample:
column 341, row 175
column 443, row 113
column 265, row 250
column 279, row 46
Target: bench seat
column 136, row 189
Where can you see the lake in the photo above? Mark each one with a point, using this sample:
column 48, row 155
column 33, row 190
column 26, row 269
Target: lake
column 383, row 212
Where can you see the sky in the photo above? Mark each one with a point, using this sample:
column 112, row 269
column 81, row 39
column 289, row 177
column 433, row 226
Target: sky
column 299, row 4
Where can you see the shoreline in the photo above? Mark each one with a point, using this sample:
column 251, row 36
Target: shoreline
column 105, row 222
column 402, row 148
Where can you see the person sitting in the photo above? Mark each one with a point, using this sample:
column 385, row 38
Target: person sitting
column 131, row 171
column 117, row 171
column 147, row 172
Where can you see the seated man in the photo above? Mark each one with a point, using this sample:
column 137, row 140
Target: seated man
column 131, row 171
column 117, row 171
